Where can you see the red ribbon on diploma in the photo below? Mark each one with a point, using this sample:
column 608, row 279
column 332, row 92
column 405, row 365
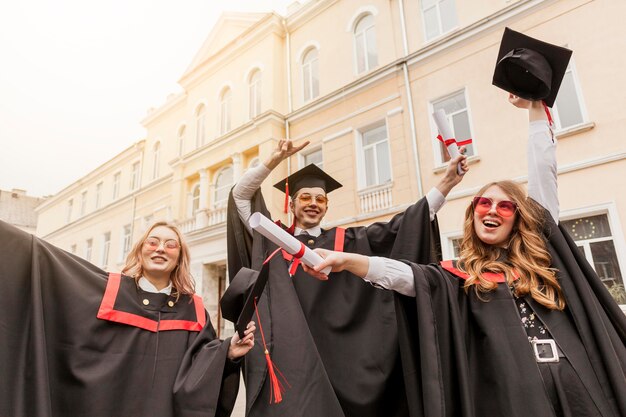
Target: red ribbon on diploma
column 450, row 141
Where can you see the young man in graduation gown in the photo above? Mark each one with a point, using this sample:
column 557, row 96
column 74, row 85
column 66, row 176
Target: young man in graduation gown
column 335, row 342
column 78, row 342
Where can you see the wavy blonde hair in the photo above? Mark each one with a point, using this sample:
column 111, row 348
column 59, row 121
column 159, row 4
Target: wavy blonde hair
column 182, row 282
column 528, row 256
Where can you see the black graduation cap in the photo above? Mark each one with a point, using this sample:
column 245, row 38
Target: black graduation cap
column 309, row 176
column 237, row 303
column 530, row 68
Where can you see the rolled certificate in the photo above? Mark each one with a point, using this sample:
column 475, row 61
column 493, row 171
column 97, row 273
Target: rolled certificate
column 446, row 132
column 293, row 246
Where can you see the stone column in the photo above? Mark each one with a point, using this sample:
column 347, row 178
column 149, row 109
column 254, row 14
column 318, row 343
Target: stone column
column 237, row 168
column 201, row 215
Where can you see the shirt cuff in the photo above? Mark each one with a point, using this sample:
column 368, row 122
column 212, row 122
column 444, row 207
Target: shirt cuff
column 436, row 200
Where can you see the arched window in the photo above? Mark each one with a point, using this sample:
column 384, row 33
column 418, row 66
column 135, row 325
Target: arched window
column 254, row 87
column 200, row 125
column 223, row 184
column 181, row 140
column 310, row 74
column 365, row 44
column 195, row 200
column 225, row 99
column 156, row 156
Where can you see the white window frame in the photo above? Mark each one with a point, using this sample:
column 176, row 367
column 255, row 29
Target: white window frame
column 254, row 93
column 221, row 203
column 440, row 31
column 117, row 180
column 303, row 155
column 88, row 249
column 309, row 82
column 125, row 241
column 156, row 160
column 192, row 199
column 571, row 68
column 439, row 162
column 182, row 129
column 83, row 202
column 200, row 118
column 447, row 247
column 610, row 210
column 361, row 175
column 225, row 110
column 99, row 188
column 106, row 248
column 135, row 171
column 364, row 46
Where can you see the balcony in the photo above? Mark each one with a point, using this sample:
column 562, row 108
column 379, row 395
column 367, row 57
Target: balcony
column 203, row 218
column 375, row 198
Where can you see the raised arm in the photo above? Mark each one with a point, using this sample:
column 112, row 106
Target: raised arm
column 542, row 167
column 253, row 178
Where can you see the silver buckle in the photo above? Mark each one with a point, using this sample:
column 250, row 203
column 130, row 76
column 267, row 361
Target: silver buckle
column 545, row 350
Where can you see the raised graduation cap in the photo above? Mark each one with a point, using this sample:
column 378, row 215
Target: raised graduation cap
column 530, row 68
column 238, row 301
column 309, row 176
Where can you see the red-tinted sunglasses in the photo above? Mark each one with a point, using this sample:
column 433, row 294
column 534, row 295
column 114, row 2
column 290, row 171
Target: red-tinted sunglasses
column 504, row 208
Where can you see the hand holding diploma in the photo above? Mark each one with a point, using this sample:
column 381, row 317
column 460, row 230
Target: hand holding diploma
column 290, row 244
column 447, row 137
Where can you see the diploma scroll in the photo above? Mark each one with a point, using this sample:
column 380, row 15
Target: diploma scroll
column 290, row 244
column 448, row 137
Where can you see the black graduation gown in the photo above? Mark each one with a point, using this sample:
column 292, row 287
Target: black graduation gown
column 466, row 357
column 58, row 359
column 336, row 341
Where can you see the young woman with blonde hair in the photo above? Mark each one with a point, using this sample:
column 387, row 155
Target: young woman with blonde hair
column 520, row 325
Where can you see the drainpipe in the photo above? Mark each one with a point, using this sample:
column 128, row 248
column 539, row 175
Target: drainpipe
column 289, row 100
column 409, row 98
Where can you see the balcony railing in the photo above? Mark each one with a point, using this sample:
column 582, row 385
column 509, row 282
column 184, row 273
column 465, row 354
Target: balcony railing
column 375, row 198
column 203, row 218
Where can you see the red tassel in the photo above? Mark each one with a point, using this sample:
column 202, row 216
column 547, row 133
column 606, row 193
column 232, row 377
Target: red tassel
column 547, row 110
column 286, row 195
column 277, row 388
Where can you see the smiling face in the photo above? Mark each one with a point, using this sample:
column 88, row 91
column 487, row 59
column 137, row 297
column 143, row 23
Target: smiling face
column 159, row 254
column 491, row 227
column 309, row 214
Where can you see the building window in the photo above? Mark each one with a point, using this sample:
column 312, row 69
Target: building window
column 156, row 156
column 365, row 44
column 134, row 176
column 68, row 213
column 181, row 140
column 376, row 156
column 310, row 74
column 223, row 184
column 99, row 194
column 83, row 203
column 106, row 246
column 116, row 185
column 225, row 100
column 314, row 157
column 200, row 125
column 439, row 17
column 195, row 200
column 254, row 88
column 126, row 241
column 594, row 239
column 568, row 109
column 457, row 112
column 88, row 249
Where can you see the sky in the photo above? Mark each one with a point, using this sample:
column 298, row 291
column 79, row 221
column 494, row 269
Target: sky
column 78, row 76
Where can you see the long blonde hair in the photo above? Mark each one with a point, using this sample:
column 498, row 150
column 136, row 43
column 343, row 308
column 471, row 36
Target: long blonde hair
column 528, row 256
column 182, row 282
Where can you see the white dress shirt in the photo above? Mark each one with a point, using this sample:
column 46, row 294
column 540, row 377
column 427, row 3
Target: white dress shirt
column 147, row 286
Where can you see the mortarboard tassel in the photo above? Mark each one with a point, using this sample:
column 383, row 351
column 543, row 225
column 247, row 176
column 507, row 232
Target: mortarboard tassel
column 286, row 195
column 277, row 388
column 547, row 110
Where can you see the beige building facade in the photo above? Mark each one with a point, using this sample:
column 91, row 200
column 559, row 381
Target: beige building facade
column 360, row 80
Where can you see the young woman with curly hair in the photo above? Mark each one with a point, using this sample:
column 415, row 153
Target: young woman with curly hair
column 520, row 325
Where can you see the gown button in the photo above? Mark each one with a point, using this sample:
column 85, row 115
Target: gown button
column 170, row 303
column 146, row 301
